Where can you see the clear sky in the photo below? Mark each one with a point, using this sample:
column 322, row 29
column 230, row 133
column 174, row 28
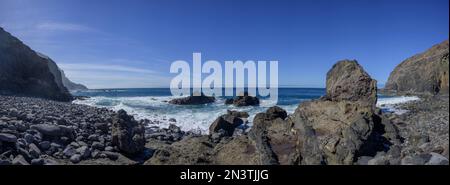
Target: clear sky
column 120, row 44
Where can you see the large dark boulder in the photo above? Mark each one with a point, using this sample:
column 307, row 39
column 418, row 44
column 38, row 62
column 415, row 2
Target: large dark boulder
column 127, row 134
column 347, row 80
column 243, row 100
column 193, row 100
column 227, row 123
column 24, row 72
column 343, row 125
column 427, row 72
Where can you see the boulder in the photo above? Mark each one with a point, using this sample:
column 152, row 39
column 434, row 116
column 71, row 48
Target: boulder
column 437, row 159
column 348, row 81
column 50, row 130
column 193, row 100
column 189, row 151
column 238, row 114
column 270, row 141
column 342, row 126
column 273, row 138
column 276, row 112
column 243, row 100
column 226, row 122
column 127, row 134
column 427, row 72
column 20, row 160
column 7, row 138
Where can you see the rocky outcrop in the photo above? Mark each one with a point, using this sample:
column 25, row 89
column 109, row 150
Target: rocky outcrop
column 193, row 100
column 238, row 114
column 347, row 81
column 343, row 125
column 243, row 100
column 427, row 72
column 339, row 128
column 270, row 141
column 189, row 151
column 24, row 72
column 127, row 134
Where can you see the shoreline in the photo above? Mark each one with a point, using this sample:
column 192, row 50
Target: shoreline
column 23, row 112
column 88, row 135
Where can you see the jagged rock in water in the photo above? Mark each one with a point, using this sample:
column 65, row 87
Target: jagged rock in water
column 127, row 134
column 243, row 100
column 24, row 72
column 193, row 100
column 427, row 72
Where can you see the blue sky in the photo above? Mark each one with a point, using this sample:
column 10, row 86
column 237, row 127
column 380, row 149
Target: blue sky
column 120, row 44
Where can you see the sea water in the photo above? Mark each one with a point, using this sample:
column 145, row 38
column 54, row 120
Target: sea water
column 152, row 104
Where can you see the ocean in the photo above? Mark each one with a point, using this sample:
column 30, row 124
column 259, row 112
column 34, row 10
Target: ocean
column 151, row 103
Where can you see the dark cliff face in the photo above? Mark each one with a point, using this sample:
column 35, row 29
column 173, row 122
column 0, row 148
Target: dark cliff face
column 23, row 72
column 426, row 72
column 71, row 86
column 60, row 78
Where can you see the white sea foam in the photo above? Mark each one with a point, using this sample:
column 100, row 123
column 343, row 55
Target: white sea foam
column 389, row 104
column 158, row 110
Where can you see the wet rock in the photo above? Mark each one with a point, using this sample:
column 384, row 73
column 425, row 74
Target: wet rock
column 243, row 100
column 174, row 129
column 193, row 100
